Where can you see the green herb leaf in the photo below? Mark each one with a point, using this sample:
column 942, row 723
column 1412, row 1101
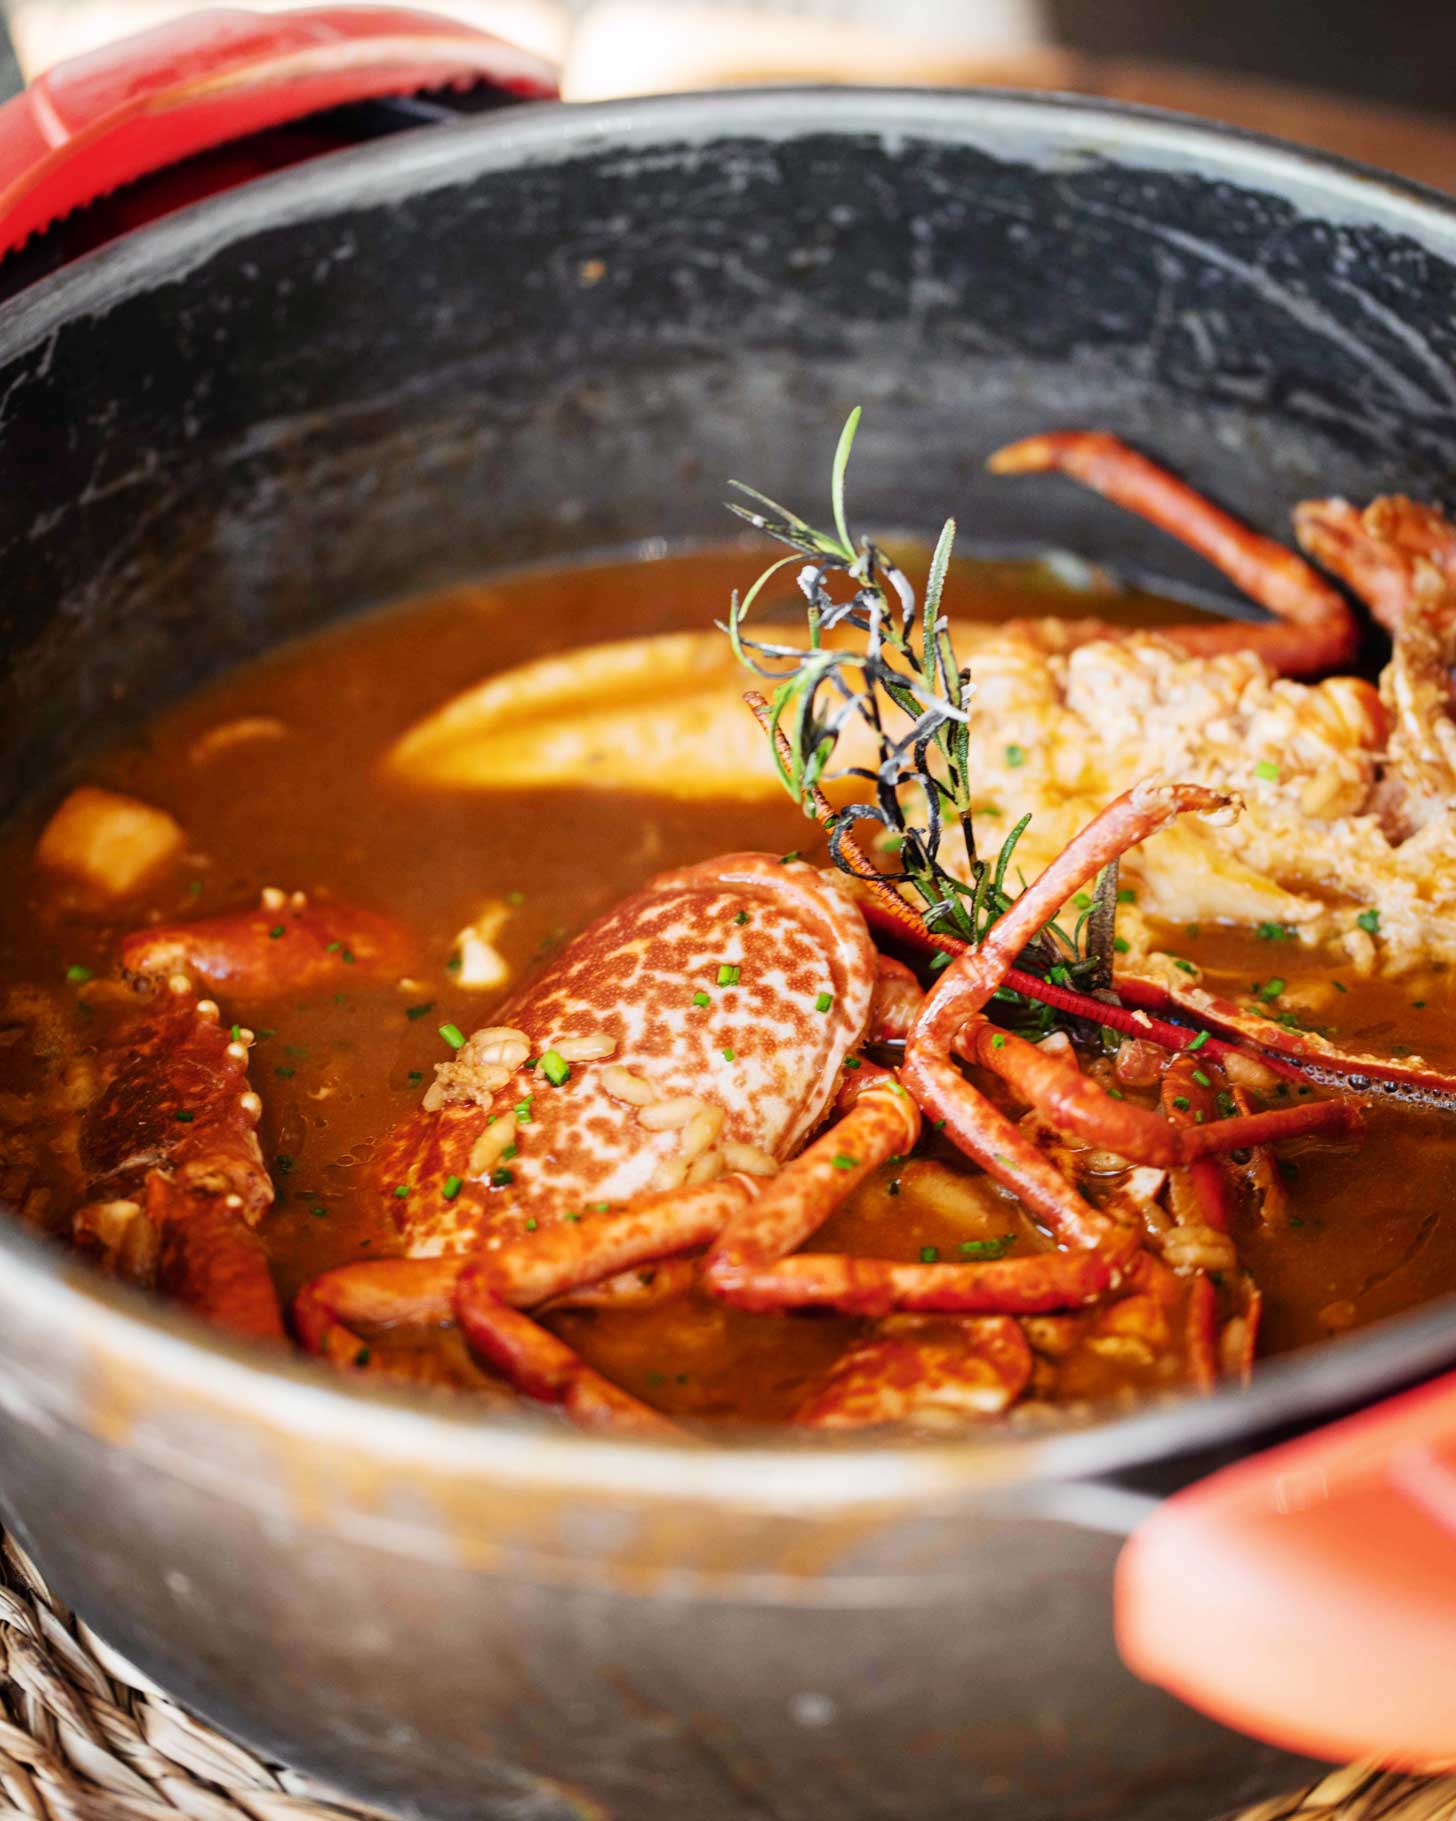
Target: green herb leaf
column 987, row 1248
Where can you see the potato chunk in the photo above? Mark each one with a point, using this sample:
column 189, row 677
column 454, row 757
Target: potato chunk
column 107, row 841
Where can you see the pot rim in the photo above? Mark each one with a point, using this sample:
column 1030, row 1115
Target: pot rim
column 123, row 1328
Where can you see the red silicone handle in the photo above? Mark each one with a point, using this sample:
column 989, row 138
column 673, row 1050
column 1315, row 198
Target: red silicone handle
column 1308, row 1596
column 132, row 108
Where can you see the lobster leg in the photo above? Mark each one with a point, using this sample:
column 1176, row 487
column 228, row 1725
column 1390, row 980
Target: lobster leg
column 485, row 1292
column 1313, row 629
column 494, row 1287
column 1074, row 1104
column 1300, row 1055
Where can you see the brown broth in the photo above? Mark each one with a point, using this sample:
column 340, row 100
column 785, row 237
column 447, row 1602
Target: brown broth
column 1369, row 1233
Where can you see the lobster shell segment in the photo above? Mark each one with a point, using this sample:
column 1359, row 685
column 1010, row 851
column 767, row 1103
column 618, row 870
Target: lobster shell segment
column 740, row 984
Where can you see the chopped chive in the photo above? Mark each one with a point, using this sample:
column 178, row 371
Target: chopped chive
column 1369, row 921
column 701, row 998
column 453, row 1035
column 929, row 1255
column 571, row 1217
column 401, row 1190
column 531, row 1224
column 600, row 1207
column 284, row 1162
column 283, row 1073
column 412, row 1012
column 1116, row 1094
column 1201, row 1079
column 184, row 1117
column 742, row 917
column 453, row 964
column 853, row 1062
column 937, row 962
column 823, row 1002
column 1339, row 986
column 1194, row 930
column 1081, row 900
column 1187, row 966
column 1181, row 1102
column 730, row 1053
column 515, row 897
column 1271, row 989
column 987, row 1248
column 784, row 859
column 502, row 1178
column 1198, row 1042
column 523, row 1110
column 727, row 974
column 1226, row 1103
column 1267, row 770
column 236, row 1033
column 511, row 1150
column 452, row 1187
column 1015, row 756
column 275, row 932
column 363, row 1357
column 998, row 1042
column 939, row 1126
column 844, row 1162
column 1126, row 895
column 415, row 1077
column 556, row 1068
column 348, row 957
column 1121, row 944
column 1273, row 932
column 319, row 1211
column 79, row 975
column 332, row 948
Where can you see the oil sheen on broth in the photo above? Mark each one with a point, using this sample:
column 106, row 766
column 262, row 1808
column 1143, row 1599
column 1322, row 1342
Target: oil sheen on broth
column 1366, row 1235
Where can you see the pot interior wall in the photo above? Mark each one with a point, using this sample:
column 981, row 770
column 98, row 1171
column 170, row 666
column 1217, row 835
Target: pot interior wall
column 368, row 377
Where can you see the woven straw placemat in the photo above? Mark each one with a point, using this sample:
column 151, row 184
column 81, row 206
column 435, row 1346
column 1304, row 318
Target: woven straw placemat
column 85, row 1737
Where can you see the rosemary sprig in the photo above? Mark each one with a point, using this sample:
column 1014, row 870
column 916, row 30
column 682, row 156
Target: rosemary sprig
column 920, row 786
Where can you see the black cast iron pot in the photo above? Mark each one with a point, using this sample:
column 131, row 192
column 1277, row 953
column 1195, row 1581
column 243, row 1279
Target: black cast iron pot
column 383, row 371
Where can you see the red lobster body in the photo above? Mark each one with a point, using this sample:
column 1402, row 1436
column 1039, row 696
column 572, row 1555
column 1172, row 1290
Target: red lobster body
column 740, row 985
